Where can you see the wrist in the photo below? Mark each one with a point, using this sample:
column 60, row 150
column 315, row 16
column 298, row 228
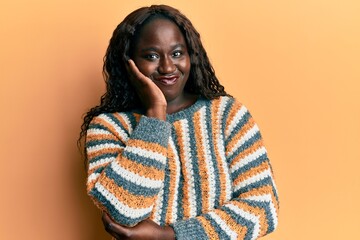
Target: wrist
column 157, row 112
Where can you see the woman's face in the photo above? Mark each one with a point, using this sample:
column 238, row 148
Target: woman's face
column 161, row 54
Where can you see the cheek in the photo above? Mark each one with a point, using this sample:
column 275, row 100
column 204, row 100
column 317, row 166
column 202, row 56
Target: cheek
column 185, row 66
column 146, row 68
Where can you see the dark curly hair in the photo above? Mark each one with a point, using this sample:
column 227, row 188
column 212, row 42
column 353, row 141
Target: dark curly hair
column 120, row 95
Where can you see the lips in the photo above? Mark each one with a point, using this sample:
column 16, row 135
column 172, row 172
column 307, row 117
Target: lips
column 167, row 80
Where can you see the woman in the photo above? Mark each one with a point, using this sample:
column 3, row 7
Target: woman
column 170, row 154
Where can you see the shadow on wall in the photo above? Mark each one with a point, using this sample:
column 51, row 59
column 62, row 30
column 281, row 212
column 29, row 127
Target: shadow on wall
column 89, row 216
column 91, row 226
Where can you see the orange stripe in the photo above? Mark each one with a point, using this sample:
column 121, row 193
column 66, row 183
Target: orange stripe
column 124, row 196
column 203, row 172
column 109, row 126
column 147, row 146
column 186, row 198
column 262, row 191
column 215, row 124
column 90, row 185
column 141, row 170
column 172, row 168
column 122, row 121
column 104, row 151
column 233, row 111
column 232, row 224
column 95, row 136
column 256, row 145
column 90, row 171
column 209, row 229
column 235, row 139
column 261, row 213
column 251, row 172
column 242, row 233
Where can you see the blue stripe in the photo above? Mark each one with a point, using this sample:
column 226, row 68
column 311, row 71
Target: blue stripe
column 165, row 199
column 241, row 221
column 105, row 141
column 247, row 144
column 149, row 162
column 225, row 115
column 189, row 229
column 117, row 122
column 258, row 161
column 130, row 186
column 245, row 119
column 268, row 181
column 195, row 164
column 222, row 234
column 152, row 130
column 102, row 156
column 99, row 170
column 266, row 207
column 118, row 217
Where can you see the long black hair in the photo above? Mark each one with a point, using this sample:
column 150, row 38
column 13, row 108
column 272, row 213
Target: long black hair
column 120, row 94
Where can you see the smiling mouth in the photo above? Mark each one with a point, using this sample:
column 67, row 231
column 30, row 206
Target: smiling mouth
column 170, row 80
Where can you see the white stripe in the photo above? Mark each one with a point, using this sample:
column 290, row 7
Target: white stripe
column 235, row 121
column 127, row 121
column 135, row 178
column 119, row 131
column 223, row 225
column 98, row 131
column 248, row 216
column 177, row 180
column 147, row 154
column 221, row 149
column 268, row 199
column 251, row 132
column 249, row 158
column 102, row 146
column 92, row 177
column 208, row 163
column 189, row 168
column 159, row 206
column 256, row 178
column 121, row 207
column 101, row 162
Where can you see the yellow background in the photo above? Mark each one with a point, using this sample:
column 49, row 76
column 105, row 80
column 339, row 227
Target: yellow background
column 295, row 64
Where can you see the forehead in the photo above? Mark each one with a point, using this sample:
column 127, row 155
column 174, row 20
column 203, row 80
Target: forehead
column 160, row 31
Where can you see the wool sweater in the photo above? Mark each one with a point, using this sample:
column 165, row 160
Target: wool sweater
column 204, row 171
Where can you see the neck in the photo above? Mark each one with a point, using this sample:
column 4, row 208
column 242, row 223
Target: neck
column 185, row 101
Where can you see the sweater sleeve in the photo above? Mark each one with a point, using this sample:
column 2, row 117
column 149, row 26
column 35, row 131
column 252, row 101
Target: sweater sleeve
column 126, row 167
column 253, row 208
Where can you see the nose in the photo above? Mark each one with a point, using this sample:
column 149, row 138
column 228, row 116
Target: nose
column 166, row 65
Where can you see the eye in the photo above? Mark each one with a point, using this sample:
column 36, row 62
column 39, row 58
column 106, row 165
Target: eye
column 151, row 56
column 177, row 53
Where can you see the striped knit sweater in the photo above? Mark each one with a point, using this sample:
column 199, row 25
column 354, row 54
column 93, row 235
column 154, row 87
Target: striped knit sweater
column 204, row 171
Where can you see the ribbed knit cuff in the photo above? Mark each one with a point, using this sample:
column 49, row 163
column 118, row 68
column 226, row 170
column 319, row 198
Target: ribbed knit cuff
column 152, row 130
column 189, row 229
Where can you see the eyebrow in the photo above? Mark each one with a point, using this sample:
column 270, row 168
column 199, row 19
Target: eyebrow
column 178, row 45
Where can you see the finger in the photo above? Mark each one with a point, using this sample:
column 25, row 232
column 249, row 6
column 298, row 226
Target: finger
column 136, row 72
column 107, row 222
column 112, row 227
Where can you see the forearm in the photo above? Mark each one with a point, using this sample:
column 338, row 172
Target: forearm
column 127, row 187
